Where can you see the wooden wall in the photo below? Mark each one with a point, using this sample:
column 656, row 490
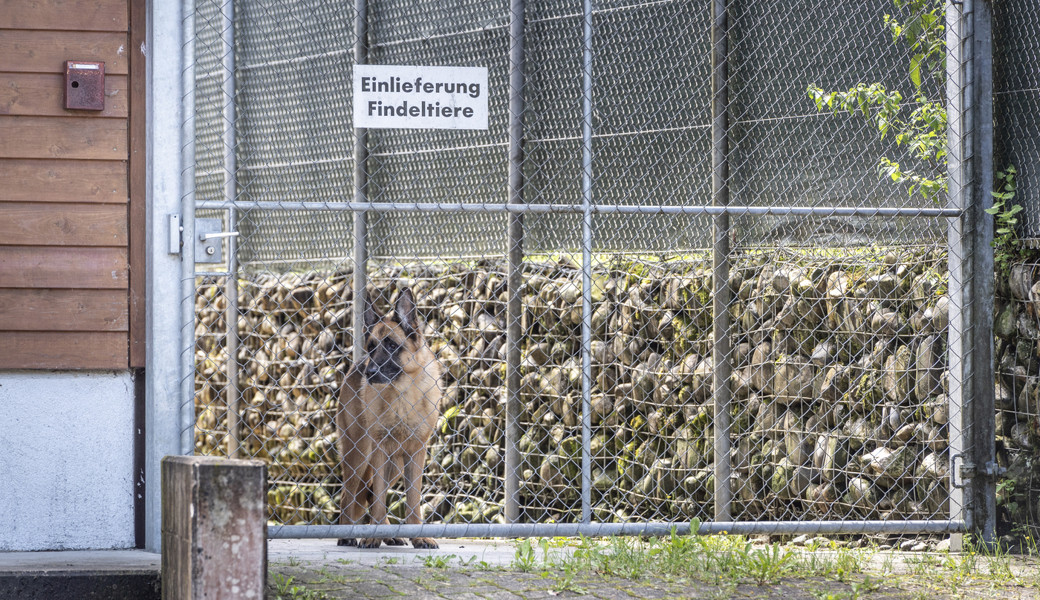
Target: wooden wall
column 64, row 189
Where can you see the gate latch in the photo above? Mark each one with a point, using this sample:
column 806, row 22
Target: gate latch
column 969, row 470
column 208, row 244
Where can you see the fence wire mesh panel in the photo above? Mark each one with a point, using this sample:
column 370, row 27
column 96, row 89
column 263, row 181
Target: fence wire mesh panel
column 743, row 289
column 1016, row 41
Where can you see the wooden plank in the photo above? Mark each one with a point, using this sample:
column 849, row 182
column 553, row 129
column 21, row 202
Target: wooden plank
column 80, row 15
column 138, row 183
column 62, row 310
column 63, row 137
column 36, row 51
column 62, row 181
column 63, row 350
column 53, row 224
column 63, row 267
column 43, row 94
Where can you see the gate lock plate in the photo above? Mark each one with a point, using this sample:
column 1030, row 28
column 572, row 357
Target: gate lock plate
column 84, row 85
column 208, row 245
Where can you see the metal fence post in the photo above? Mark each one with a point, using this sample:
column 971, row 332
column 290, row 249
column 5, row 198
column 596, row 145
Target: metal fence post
column 515, row 250
column 164, row 398
column 722, row 368
column 586, row 268
column 360, row 192
column 969, row 164
column 187, row 340
column 983, row 416
column 957, row 170
column 230, row 193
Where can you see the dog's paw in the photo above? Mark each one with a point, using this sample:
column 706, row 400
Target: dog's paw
column 394, row 542
column 370, row 542
column 346, row 542
column 424, row 543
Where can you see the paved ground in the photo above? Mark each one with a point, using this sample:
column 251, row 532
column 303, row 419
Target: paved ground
column 477, row 569
column 494, row 553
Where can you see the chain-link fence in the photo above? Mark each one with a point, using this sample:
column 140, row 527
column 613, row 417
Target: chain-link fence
column 667, row 282
column 1016, row 89
column 1016, row 40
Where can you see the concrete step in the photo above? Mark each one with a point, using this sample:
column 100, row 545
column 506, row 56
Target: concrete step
column 95, row 574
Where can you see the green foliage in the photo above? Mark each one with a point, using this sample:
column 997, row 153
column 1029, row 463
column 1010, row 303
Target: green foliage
column 923, row 130
column 1006, row 247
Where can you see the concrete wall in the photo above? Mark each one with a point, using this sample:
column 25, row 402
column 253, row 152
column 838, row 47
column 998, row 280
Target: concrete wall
column 66, row 477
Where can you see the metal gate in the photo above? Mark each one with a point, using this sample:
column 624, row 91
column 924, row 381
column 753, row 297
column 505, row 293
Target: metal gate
column 667, row 283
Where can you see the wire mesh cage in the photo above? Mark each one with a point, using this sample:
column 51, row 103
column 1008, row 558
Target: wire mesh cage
column 770, row 330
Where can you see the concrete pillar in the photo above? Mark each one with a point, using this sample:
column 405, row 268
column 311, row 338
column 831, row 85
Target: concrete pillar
column 214, row 528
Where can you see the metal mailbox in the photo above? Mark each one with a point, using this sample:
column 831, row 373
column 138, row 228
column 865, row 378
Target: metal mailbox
column 84, row 85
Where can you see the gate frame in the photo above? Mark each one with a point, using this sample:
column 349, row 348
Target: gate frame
column 970, row 141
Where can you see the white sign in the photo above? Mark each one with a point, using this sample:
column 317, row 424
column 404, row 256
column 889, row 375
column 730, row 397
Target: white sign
column 409, row 97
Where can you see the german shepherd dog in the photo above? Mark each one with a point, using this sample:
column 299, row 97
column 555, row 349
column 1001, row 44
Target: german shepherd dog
column 387, row 411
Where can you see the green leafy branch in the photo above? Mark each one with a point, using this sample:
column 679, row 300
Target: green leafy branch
column 1006, row 248
column 923, row 131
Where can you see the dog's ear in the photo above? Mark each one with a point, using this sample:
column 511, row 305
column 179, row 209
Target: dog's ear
column 404, row 311
column 371, row 318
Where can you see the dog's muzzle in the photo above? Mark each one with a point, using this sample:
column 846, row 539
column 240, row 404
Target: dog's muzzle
column 375, row 373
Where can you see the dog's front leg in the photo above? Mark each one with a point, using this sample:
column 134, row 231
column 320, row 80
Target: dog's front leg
column 414, row 460
column 356, row 473
column 377, row 509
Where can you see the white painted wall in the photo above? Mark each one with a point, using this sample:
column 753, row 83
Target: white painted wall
column 66, row 476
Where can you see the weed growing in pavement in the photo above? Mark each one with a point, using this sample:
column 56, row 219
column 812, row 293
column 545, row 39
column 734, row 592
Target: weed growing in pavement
column 479, row 565
column 726, row 560
column 437, row 562
column 999, row 563
column 565, row 582
column 524, row 559
column 864, row 587
column 919, row 564
column 857, row 591
column 324, row 572
column 848, row 562
column 285, row 589
column 888, row 564
column 281, row 583
column 765, row 566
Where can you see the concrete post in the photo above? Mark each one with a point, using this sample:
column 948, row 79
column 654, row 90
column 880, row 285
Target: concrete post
column 214, row 528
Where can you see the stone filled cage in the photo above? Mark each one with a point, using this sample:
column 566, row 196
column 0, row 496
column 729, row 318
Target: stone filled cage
column 663, row 284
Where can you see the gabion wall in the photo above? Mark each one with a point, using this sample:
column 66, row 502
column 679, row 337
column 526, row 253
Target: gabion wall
column 839, row 385
column 1016, row 350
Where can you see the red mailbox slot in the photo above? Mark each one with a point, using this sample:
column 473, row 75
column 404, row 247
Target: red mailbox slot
column 84, row 85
